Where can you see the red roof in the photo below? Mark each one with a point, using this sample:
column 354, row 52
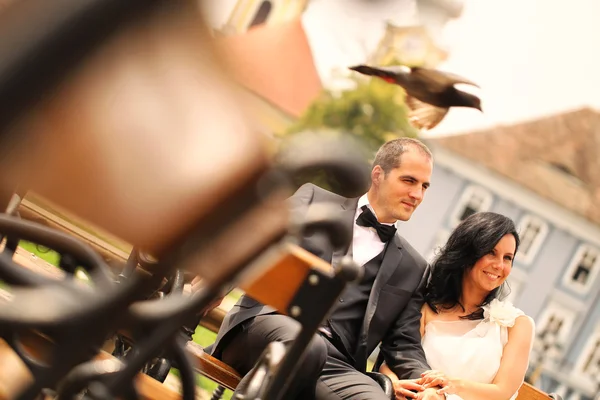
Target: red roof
column 557, row 157
column 275, row 62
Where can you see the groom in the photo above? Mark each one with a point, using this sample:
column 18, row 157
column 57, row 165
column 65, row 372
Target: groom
column 384, row 307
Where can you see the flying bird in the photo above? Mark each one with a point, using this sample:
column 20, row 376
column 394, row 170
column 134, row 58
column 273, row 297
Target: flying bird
column 429, row 93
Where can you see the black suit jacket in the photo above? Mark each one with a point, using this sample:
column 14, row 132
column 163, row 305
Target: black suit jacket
column 393, row 312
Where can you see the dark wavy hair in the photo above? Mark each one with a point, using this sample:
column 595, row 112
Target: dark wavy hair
column 473, row 238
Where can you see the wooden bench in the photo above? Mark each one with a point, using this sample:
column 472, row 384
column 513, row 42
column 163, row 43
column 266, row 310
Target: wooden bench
column 529, row 392
column 227, row 377
column 206, row 365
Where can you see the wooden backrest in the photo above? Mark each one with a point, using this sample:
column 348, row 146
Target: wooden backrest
column 34, row 208
column 529, row 392
column 287, row 267
column 212, row 368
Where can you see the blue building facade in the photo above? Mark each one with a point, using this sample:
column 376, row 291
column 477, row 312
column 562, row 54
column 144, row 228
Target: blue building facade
column 555, row 278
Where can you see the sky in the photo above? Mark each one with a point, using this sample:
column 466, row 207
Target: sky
column 531, row 58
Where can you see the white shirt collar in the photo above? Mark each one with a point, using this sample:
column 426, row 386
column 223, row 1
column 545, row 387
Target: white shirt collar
column 364, row 201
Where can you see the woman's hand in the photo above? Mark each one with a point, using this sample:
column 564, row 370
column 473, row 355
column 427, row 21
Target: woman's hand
column 432, row 379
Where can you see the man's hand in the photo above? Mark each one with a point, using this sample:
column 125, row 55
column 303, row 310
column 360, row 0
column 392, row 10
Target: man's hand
column 406, row 388
column 430, row 394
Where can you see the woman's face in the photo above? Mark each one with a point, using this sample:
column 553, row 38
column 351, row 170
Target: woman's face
column 491, row 270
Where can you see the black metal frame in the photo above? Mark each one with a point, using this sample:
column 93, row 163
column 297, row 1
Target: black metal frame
column 310, row 306
column 78, row 319
column 159, row 367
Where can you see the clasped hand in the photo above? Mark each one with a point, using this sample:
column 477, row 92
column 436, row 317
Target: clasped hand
column 431, row 386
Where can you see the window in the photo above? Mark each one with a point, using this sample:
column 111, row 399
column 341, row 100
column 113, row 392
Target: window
column 473, row 200
column 589, row 361
column 262, row 14
column 532, row 231
column 591, row 365
column 552, row 333
column 555, row 322
column 583, row 269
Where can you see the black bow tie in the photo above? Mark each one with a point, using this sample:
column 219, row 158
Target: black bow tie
column 368, row 219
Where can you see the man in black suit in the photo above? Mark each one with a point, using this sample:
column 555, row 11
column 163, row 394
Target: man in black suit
column 384, row 307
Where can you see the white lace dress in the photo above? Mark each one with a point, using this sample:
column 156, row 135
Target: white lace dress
column 467, row 349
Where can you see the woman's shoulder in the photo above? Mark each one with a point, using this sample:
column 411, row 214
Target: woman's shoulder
column 426, row 314
column 504, row 313
column 523, row 332
column 514, row 323
column 526, row 322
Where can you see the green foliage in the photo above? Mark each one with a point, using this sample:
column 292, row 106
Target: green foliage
column 42, row 252
column 373, row 112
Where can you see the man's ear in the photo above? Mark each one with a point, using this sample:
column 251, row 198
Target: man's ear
column 377, row 175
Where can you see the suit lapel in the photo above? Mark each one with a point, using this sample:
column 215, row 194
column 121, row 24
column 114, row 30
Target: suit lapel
column 348, row 211
column 389, row 264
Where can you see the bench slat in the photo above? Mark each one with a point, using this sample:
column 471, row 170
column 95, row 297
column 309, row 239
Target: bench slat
column 528, row 392
column 278, row 285
column 212, row 368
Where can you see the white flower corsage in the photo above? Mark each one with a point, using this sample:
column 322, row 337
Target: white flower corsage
column 502, row 313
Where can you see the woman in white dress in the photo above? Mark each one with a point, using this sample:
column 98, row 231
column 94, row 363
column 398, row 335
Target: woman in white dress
column 477, row 346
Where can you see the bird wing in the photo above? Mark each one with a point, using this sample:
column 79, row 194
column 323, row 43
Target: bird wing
column 389, row 74
column 441, row 78
column 424, row 116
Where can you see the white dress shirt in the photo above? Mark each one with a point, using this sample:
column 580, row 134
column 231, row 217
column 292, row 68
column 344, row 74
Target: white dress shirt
column 366, row 244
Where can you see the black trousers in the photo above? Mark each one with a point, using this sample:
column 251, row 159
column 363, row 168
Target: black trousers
column 324, row 373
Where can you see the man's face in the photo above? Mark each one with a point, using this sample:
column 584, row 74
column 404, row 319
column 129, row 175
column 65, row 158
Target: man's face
column 398, row 193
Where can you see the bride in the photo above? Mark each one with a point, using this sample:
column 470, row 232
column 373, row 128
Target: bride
column 477, row 346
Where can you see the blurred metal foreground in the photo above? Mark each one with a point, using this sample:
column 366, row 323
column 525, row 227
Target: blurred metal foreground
column 137, row 130
column 144, row 137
